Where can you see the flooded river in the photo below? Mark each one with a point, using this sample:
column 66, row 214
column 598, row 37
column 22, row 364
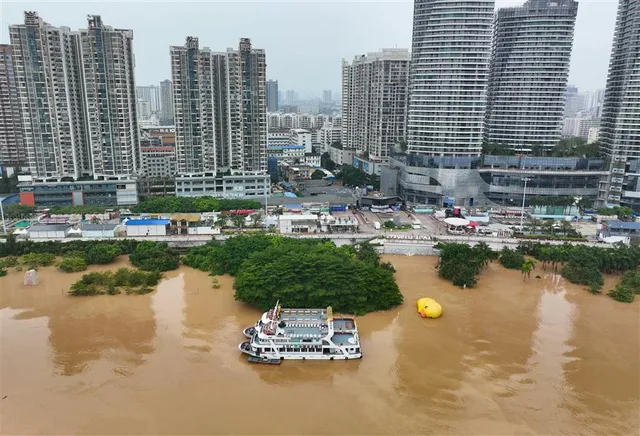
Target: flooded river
column 542, row 357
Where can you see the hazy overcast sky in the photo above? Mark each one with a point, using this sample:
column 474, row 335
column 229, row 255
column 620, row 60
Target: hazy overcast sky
column 304, row 40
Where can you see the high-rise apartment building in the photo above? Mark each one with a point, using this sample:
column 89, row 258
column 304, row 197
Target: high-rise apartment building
column 620, row 124
column 106, row 56
column 272, row 96
column 326, row 96
column 72, row 124
column 451, row 47
column 374, row 101
column 166, row 103
column 52, row 107
column 291, row 96
column 528, row 73
column 248, row 107
column 191, row 73
column 220, row 108
column 150, row 94
column 12, row 153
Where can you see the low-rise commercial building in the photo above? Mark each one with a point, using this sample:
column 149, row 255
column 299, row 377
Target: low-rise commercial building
column 147, row 227
column 78, row 193
column 98, row 230
column 241, row 185
column 624, row 229
column 489, row 180
column 53, row 231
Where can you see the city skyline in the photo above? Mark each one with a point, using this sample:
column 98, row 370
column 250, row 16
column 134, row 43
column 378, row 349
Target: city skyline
column 314, row 70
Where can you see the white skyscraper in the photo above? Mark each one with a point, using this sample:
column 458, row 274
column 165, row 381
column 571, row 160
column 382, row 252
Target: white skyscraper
column 620, row 125
column 450, row 54
column 375, row 96
column 528, row 73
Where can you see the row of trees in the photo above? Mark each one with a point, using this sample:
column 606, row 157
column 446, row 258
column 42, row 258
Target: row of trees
column 301, row 273
column 582, row 264
column 76, row 255
column 549, row 227
column 171, row 204
column 168, row 204
column 579, row 264
column 352, row 177
column 570, row 147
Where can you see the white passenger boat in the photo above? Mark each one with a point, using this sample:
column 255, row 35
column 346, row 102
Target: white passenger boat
column 302, row 334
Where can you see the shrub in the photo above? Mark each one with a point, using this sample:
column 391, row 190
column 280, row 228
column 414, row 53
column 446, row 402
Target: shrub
column 8, row 262
column 622, row 294
column 628, row 287
column 33, row 260
column 586, row 274
column 461, row 263
column 72, row 264
column 102, row 254
column 3, row 272
column 133, row 282
column 511, row 259
column 152, row 256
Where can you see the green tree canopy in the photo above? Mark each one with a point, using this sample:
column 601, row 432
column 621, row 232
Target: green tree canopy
column 172, row 204
column 154, row 256
column 317, row 275
column 17, row 210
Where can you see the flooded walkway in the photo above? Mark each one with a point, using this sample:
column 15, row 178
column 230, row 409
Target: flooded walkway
column 508, row 357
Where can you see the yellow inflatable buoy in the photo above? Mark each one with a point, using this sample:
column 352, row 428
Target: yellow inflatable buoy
column 429, row 308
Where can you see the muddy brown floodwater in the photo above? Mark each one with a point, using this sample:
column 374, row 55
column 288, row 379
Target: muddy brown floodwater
column 542, row 357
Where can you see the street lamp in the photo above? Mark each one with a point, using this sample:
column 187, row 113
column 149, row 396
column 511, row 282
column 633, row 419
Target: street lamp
column 524, row 195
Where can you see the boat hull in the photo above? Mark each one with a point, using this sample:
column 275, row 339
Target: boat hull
column 291, row 356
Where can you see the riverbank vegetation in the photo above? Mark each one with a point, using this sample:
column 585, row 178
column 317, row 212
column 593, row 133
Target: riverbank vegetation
column 585, row 265
column 461, row 263
column 154, row 256
column 12, row 247
column 579, row 264
column 147, row 255
column 72, row 264
column 629, row 286
column 301, row 273
column 123, row 280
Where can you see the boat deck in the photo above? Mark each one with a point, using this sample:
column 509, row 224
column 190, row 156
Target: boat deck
column 305, row 323
column 342, row 338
